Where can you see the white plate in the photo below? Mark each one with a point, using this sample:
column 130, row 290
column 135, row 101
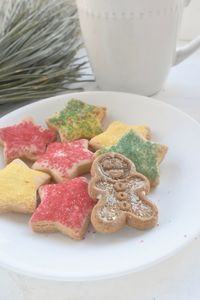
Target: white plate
column 56, row 257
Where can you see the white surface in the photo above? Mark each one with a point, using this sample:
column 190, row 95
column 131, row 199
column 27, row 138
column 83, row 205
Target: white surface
column 191, row 21
column 132, row 43
column 177, row 216
column 176, row 278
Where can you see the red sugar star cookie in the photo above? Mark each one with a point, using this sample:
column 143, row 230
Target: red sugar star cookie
column 25, row 140
column 65, row 207
column 64, row 161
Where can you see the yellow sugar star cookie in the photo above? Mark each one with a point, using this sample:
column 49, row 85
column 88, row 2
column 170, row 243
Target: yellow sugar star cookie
column 18, row 187
column 114, row 132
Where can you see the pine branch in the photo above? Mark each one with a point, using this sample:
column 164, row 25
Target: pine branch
column 39, row 43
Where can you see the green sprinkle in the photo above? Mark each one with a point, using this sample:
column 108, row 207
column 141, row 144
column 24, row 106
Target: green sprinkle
column 77, row 120
column 143, row 153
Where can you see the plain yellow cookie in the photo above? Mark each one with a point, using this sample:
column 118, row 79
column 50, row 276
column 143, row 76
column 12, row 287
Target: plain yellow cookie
column 18, row 187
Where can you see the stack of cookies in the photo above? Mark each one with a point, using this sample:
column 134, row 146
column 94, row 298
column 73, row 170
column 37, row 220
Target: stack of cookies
column 45, row 167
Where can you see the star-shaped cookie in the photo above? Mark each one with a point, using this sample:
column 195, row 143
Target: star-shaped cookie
column 25, row 140
column 77, row 120
column 65, row 207
column 18, row 187
column 65, row 160
column 114, row 132
column 146, row 155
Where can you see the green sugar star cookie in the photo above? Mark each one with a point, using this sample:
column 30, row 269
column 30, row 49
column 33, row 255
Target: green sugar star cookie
column 77, row 120
column 146, row 155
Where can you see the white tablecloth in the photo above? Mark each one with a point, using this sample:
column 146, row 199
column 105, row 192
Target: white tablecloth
column 175, row 278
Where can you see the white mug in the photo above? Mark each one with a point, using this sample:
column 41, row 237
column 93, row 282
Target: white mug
column 131, row 44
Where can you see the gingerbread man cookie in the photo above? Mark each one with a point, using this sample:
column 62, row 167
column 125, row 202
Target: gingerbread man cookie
column 121, row 192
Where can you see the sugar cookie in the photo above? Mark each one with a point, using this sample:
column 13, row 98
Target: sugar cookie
column 77, row 120
column 65, row 160
column 18, row 187
column 114, row 132
column 25, row 140
column 121, row 192
column 65, row 207
column 146, row 155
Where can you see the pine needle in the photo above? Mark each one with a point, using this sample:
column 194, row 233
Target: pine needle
column 39, row 43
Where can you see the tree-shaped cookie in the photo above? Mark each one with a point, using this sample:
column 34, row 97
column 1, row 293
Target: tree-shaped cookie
column 121, row 192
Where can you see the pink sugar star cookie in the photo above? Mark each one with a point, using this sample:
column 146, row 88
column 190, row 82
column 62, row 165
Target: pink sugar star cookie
column 65, row 207
column 25, row 140
column 65, row 161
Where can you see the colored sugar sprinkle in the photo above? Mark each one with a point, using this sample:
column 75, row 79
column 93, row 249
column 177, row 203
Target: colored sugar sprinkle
column 65, row 157
column 143, row 153
column 77, row 120
column 115, row 131
column 67, row 203
column 25, row 140
column 18, row 186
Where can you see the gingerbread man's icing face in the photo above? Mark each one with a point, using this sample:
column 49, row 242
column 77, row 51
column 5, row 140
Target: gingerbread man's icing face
column 121, row 193
column 114, row 167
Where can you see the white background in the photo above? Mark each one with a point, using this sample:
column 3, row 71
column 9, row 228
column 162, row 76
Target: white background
column 191, row 21
column 174, row 279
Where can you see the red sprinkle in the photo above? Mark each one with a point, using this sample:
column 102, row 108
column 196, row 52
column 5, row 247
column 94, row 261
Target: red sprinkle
column 62, row 158
column 67, row 203
column 25, row 139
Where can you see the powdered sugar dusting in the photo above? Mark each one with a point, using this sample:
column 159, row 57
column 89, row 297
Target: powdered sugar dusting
column 108, row 213
column 111, row 197
column 142, row 210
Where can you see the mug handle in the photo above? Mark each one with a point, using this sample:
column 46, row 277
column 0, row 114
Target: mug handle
column 184, row 52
